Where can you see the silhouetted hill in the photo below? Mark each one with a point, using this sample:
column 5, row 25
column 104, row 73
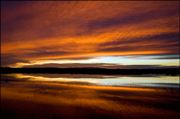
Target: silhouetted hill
column 169, row 71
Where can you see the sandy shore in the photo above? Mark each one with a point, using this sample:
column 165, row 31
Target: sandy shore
column 33, row 100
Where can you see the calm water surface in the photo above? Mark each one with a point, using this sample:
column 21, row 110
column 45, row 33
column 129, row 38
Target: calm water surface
column 149, row 80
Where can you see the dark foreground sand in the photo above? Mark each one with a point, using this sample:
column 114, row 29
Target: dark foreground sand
column 33, row 100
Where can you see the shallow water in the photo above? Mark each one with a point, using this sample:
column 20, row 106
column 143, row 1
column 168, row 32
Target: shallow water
column 149, row 80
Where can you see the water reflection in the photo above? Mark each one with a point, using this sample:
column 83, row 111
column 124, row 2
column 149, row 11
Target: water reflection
column 107, row 80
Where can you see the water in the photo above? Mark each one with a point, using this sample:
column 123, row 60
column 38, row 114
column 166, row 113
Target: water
column 158, row 81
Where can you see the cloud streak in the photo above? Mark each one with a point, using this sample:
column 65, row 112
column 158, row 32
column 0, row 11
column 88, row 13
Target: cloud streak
column 98, row 65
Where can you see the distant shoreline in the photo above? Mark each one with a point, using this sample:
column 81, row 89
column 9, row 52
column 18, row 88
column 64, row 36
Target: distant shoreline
column 167, row 71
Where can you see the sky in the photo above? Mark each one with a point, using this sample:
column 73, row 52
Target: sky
column 104, row 34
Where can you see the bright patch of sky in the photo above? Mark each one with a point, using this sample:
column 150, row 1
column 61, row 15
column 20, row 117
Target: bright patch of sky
column 140, row 60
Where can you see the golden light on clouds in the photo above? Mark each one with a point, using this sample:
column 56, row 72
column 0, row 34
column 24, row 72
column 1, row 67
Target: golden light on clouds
column 47, row 30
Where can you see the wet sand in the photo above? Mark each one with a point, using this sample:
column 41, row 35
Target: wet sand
column 35, row 100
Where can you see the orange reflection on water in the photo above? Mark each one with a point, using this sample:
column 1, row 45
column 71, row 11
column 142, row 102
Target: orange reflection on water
column 75, row 101
column 47, row 79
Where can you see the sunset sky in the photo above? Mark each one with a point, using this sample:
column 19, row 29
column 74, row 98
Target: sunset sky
column 106, row 34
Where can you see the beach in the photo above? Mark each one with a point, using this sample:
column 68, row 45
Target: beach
column 41, row 100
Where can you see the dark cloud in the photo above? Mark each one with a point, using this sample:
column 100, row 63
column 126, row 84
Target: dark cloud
column 133, row 18
column 98, row 65
column 46, row 54
column 74, row 58
column 175, row 57
column 11, row 5
column 160, row 42
column 10, row 60
column 164, row 38
column 155, row 56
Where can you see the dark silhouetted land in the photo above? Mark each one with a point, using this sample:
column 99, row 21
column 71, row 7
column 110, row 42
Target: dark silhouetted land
column 167, row 71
